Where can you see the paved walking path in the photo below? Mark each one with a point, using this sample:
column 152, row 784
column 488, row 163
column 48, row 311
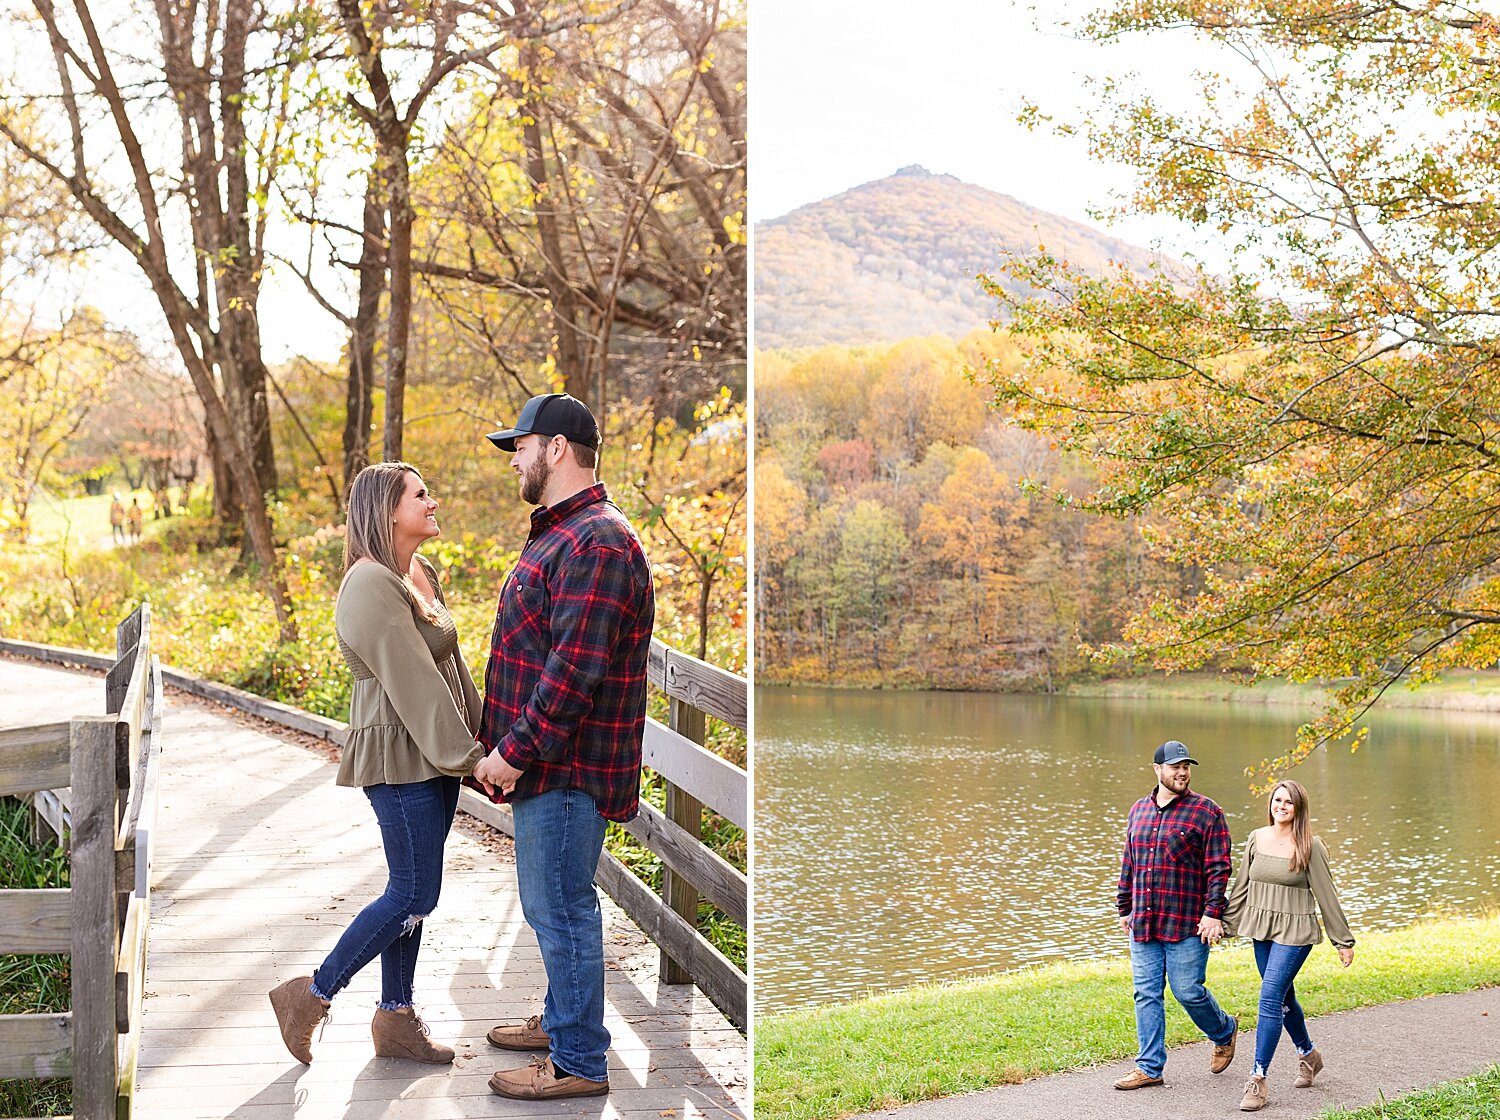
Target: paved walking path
column 1373, row 1053
column 261, row 863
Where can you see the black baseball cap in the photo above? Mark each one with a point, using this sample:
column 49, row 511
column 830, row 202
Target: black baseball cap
column 551, row 414
column 1172, row 752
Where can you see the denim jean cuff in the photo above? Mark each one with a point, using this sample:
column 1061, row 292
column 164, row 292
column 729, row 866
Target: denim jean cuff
column 394, row 1005
column 317, row 991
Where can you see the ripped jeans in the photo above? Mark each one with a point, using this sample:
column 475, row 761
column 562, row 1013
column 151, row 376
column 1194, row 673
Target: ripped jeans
column 414, row 822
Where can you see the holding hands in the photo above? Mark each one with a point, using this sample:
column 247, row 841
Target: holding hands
column 493, row 772
column 1346, row 956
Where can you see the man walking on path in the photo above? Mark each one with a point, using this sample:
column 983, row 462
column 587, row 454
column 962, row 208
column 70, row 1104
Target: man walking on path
column 1171, row 899
column 564, row 713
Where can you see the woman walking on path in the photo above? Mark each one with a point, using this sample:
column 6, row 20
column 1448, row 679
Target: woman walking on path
column 412, row 718
column 1282, row 885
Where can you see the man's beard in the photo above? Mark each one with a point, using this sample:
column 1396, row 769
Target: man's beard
column 534, row 481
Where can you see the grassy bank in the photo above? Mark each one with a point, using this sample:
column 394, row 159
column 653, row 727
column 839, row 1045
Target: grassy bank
column 31, row 984
column 1469, row 1098
column 1458, row 691
column 941, row 1040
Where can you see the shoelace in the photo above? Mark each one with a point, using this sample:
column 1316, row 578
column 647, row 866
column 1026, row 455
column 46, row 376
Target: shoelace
column 324, row 1021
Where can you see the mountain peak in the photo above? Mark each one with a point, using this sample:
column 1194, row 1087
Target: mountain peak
column 917, row 171
column 898, row 257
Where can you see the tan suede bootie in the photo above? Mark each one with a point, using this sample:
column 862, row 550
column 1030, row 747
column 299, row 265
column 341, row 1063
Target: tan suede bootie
column 1309, row 1065
column 298, row 1012
column 402, row 1034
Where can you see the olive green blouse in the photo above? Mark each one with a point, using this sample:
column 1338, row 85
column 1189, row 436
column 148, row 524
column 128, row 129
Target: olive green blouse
column 1270, row 902
column 414, row 710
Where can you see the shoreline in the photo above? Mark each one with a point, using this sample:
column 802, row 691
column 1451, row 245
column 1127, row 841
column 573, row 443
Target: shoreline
column 1474, row 691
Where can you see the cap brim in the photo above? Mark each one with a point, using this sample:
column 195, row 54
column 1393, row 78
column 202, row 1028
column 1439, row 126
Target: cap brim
column 506, row 440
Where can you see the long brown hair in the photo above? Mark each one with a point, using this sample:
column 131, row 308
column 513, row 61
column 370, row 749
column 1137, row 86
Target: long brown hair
column 1302, row 836
column 373, row 497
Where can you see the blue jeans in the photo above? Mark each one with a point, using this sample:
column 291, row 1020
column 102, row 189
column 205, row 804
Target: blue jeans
column 1278, row 966
column 559, row 835
column 1184, row 963
column 414, row 821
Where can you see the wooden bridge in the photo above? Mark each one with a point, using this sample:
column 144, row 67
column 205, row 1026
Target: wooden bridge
column 258, row 863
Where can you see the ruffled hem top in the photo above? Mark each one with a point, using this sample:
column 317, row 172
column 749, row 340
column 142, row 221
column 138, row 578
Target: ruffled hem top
column 1271, row 902
column 414, row 710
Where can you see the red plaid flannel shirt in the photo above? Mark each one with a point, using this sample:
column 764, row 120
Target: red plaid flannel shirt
column 1176, row 867
column 565, row 690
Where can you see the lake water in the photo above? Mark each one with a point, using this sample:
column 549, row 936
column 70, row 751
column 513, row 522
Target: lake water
column 904, row 837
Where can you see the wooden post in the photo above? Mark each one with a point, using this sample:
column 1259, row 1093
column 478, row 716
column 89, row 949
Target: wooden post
column 96, row 934
column 680, row 895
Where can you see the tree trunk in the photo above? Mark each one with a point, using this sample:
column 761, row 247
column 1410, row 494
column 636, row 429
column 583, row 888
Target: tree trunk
column 398, row 327
column 359, row 410
column 238, row 289
column 572, row 359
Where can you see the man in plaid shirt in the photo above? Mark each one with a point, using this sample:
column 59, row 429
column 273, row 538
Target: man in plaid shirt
column 1171, row 899
column 564, row 712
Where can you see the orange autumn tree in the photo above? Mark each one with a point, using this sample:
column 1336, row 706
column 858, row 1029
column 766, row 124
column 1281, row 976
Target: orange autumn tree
column 1317, row 425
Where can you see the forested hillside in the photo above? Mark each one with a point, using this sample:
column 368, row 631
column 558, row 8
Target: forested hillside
column 895, row 543
column 897, row 258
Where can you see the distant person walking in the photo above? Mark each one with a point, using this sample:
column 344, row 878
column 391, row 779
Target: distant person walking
column 1283, row 883
column 117, row 518
column 412, row 718
column 134, row 517
column 1170, row 899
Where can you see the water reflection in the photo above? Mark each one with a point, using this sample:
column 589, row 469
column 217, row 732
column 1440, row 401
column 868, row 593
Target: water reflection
column 903, row 837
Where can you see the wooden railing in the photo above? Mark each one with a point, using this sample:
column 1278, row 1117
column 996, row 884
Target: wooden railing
column 110, row 766
column 695, row 778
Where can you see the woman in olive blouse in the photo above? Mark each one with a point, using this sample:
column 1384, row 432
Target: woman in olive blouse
column 412, row 719
column 1282, row 885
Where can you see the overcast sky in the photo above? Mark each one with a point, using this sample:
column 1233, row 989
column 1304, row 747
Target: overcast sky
column 843, row 94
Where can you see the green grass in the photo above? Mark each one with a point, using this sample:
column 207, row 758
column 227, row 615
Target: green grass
column 1470, row 1098
column 30, row 984
column 939, row 1040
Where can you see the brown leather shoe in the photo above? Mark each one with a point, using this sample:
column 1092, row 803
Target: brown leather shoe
column 1224, row 1054
column 1137, row 1079
column 541, row 1081
column 298, row 1013
column 402, row 1034
column 1255, row 1095
column 1309, row 1065
column 520, row 1036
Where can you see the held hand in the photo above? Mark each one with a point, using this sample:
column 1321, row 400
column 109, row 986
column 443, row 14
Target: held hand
column 494, row 771
column 1346, row 957
column 1210, row 930
column 1125, row 922
column 489, row 788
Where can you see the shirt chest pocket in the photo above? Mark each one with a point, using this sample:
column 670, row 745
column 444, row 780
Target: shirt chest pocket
column 523, row 617
column 1183, row 844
